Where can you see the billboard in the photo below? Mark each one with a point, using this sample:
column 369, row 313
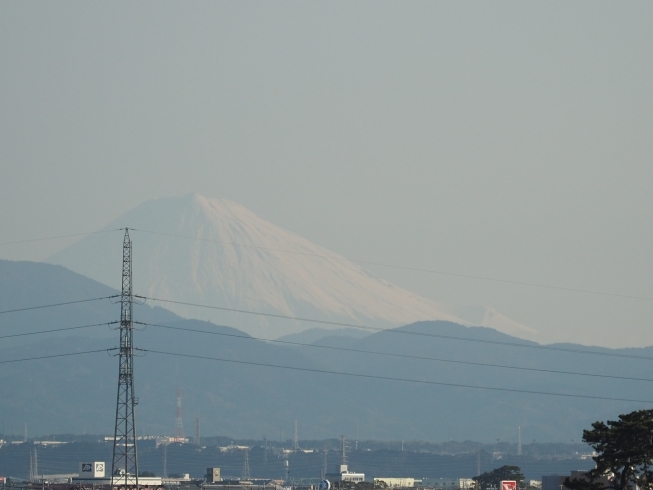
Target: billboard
column 508, row 485
column 93, row 469
column 213, row 475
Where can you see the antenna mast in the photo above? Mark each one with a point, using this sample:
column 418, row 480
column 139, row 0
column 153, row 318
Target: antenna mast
column 124, row 469
column 295, row 439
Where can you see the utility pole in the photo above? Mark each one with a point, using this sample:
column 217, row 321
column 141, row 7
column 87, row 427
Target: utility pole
column 324, row 465
column 357, row 435
column 165, row 460
column 124, row 467
column 36, row 464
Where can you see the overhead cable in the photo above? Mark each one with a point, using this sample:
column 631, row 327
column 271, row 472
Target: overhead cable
column 55, row 355
column 399, row 331
column 408, row 268
column 389, row 378
column 403, row 356
column 59, row 304
column 56, row 330
column 56, row 237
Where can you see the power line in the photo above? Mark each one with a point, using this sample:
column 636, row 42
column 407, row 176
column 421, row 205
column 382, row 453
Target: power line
column 55, row 355
column 55, row 237
column 402, row 332
column 414, row 269
column 365, row 262
column 55, row 330
column 404, row 356
column 57, row 304
column 389, row 378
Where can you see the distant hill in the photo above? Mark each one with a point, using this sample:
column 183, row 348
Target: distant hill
column 27, row 284
column 217, row 252
column 232, row 396
column 312, row 335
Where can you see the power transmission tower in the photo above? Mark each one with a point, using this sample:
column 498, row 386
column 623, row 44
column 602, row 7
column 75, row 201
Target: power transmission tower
column 179, row 423
column 519, row 441
column 197, row 431
column 31, row 467
column 478, row 463
column 124, row 468
column 343, row 451
column 245, row 475
column 295, row 439
column 265, row 455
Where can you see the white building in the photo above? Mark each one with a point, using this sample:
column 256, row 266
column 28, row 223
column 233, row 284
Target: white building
column 342, row 473
column 94, row 472
column 396, row 482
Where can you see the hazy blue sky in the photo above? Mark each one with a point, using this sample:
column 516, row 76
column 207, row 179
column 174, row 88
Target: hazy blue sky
column 510, row 140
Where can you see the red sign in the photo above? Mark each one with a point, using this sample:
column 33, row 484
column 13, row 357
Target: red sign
column 508, row 485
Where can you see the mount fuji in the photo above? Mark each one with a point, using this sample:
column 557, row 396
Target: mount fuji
column 215, row 252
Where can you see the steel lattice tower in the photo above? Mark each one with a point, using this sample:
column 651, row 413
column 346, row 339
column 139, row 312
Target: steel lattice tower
column 179, row 423
column 295, row 439
column 245, row 475
column 124, row 470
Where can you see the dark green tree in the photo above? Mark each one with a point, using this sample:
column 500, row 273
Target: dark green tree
column 624, row 457
column 493, row 478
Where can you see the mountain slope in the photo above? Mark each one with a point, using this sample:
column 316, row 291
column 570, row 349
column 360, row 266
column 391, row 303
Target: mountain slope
column 234, row 259
column 242, row 387
column 237, row 260
column 24, row 285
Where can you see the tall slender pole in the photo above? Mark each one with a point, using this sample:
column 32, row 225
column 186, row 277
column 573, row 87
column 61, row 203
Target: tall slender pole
column 165, row 460
column 124, row 469
column 295, row 438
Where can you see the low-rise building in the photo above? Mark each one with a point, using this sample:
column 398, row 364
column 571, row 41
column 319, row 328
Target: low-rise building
column 395, row 482
column 342, row 473
column 95, row 473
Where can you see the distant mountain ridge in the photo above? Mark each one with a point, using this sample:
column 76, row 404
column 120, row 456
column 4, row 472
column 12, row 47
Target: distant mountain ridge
column 237, row 260
column 313, row 335
column 231, row 383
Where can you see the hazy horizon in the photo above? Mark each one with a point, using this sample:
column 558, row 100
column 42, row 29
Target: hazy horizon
column 505, row 140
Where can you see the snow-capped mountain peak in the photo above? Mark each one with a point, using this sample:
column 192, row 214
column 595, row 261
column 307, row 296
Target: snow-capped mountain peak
column 217, row 252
